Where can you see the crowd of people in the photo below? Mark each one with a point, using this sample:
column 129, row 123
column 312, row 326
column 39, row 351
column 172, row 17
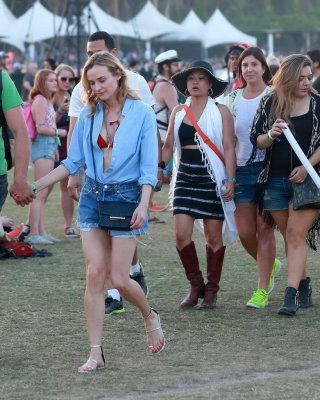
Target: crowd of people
column 232, row 172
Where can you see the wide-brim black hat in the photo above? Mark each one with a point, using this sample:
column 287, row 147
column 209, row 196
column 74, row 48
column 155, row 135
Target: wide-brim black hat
column 180, row 78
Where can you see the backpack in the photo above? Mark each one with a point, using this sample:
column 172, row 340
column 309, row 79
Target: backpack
column 29, row 120
column 5, row 133
column 20, row 250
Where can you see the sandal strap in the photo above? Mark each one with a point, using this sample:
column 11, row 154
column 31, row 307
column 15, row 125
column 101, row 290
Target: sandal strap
column 95, row 346
column 153, row 330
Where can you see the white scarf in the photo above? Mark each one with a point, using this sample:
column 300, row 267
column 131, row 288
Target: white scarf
column 211, row 124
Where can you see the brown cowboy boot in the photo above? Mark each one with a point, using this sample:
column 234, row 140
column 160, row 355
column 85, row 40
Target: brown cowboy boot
column 190, row 262
column 214, row 268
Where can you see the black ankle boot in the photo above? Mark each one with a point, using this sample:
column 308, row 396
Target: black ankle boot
column 305, row 293
column 291, row 303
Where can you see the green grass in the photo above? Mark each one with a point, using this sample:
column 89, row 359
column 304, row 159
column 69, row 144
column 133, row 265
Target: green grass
column 227, row 353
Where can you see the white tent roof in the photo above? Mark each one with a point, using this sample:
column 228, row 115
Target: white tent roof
column 93, row 13
column 192, row 22
column 218, row 30
column 192, row 27
column 37, row 24
column 149, row 23
column 6, row 18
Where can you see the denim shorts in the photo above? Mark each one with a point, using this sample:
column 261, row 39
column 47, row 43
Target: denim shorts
column 3, row 189
column 247, row 179
column 278, row 194
column 88, row 216
column 43, row 147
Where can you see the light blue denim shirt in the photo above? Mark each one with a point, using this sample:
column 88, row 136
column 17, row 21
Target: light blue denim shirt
column 135, row 147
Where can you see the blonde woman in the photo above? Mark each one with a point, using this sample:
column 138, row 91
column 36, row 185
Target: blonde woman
column 124, row 140
column 291, row 102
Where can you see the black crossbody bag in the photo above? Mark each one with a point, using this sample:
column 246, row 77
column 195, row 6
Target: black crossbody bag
column 113, row 215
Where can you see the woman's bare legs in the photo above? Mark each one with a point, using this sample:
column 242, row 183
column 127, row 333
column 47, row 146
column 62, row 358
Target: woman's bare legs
column 183, row 225
column 213, row 233
column 266, row 253
column 121, row 257
column 246, row 220
column 257, row 238
column 42, row 167
column 108, row 260
column 299, row 223
column 96, row 245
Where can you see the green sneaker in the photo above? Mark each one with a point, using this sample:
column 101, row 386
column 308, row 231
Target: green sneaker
column 259, row 299
column 277, row 265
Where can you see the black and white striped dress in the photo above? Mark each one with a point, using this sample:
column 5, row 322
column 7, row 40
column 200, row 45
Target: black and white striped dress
column 195, row 191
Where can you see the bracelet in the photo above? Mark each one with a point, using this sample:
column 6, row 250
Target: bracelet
column 34, row 188
column 57, row 131
column 270, row 137
column 233, row 179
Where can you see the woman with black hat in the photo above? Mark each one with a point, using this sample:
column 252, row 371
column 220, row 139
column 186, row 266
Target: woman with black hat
column 201, row 135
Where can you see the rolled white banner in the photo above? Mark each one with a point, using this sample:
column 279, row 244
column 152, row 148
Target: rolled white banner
column 302, row 157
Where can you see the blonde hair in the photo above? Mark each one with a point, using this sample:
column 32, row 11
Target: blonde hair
column 64, row 67
column 115, row 67
column 39, row 86
column 284, row 83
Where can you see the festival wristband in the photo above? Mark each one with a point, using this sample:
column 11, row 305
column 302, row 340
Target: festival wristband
column 34, row 188
column 233, row 179
column 58, row 141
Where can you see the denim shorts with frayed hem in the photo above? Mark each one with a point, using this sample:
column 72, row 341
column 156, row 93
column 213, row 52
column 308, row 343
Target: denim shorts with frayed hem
column 247, row 179
column 88, row 216
column 43, row 147
column 278, row 194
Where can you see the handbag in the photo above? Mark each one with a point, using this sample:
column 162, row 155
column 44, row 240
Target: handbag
column 113, row 215
column 306, row 195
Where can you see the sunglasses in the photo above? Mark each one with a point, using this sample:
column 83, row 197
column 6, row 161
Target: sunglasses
column 65, row 79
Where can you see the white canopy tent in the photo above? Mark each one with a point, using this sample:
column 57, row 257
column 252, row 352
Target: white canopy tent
column 150, row 23
column 96, row 18
column 6, row 19
column 218, row 30
column 192, row 27
column 35, row 25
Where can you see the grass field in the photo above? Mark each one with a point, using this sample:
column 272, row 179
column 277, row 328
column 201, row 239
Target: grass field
column 229, row 353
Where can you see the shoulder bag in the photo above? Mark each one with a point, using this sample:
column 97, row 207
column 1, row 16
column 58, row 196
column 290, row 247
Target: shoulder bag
column 306, row 195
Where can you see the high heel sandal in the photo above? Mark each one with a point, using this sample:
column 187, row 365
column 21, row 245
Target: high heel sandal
column 91, row 364
column 153, row 349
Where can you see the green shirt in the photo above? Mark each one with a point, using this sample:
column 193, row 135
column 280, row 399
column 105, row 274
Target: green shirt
column 10, row 99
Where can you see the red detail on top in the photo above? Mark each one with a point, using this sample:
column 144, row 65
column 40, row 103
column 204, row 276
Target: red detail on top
column 103, row 144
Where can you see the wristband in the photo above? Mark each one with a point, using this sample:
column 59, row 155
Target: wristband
column 233, row 179
column 161, row 165
column 270, row 137
column 34, row 188
column 58, row 141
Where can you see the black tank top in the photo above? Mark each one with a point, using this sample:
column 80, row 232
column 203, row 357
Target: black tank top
column 186, row 135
